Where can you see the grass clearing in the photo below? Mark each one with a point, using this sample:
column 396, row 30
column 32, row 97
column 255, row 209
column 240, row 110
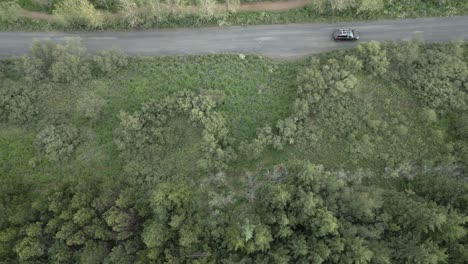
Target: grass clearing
column 256, row 92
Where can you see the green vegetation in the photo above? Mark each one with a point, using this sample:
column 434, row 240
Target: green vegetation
column 352, row 156
column 145, row 14
column 9, row 13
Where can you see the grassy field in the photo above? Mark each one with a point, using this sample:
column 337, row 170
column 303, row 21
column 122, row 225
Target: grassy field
column 256, row 91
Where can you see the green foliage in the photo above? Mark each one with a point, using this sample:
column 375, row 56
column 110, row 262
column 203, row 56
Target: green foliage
column 462, row 125
column 176, row 220
column 59, row 63
column 232, row 5
column 428, row 115
column 182, row 195
column 72, row 226
column 36, row 66
column 58, row 142
column 207, row 8
column 368, row 6
column 153, row 14
column 310, row 209
column 9, row 12
column 111, row 5
column 90, row 105
column 69, row 65
column 443, row 190
column 340, row 6
column 147, row 128
column 17, row 103
column 30, row 246
column 15, row 201
column 331, row 6
column 109, row 61
column 142, row 14
column 318, row 215
column 374, row 58
column 324, row 93
column 403, row 55
column 78, row 14
column 439, row 78
column 130, row 14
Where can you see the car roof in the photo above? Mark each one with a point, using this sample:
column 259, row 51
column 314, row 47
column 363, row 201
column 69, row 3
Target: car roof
column 345, row 31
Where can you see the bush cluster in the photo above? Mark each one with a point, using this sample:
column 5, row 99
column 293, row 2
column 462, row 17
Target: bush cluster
column 58, row 142
column 374, row 58
column 439, row 79
column 58, row 63
column 18, row 102
column 78, row 14
column 9, row 12
column 216, row 141
column 147, row 128
column 68, row 63
column 324, row 93
column 109, row 61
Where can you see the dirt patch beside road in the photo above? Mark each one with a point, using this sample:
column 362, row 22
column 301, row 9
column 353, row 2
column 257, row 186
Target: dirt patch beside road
column 273, row 6
column 36, row 15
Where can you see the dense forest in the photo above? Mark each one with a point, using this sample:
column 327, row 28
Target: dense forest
column 352, row 156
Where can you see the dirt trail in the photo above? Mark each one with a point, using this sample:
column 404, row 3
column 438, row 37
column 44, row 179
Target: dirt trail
column 273, row 6
column 259, row 6
column 36, row 15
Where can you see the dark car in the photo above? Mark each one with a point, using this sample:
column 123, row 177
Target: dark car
column 346, row 34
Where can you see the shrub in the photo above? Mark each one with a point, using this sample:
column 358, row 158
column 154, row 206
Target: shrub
column 287, row 130
column 207, row 8
column 110, row 60
column 90, row 105
column 111, row 5
column 78, row 14
column 9, row 12
column 59, row 63
column 152, row 10
column 324, row 94
column 232, row 5
column 58, row 142
column 374, row 57
column 461, row 125
column 428, row 115
column 17, row 103
column 131, row 14
column 439, row 80
column 332, row 6
column 367, row 6
column 36, row 66
column 176, row 7
column 69, row 63
column 148, row 126
column 438, row 135
column 402, row 55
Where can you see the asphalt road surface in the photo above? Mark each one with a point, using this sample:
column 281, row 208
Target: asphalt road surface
column 276, row 41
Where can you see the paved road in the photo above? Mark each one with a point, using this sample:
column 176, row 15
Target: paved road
column 276, row 41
